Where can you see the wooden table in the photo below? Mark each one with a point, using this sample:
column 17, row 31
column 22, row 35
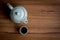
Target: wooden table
column 43, row 20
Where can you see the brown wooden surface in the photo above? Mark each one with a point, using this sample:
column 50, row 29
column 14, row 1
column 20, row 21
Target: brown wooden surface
column 43, row 20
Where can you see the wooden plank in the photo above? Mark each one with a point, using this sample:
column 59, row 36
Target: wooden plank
column 33, row 9
column 41, row 8
column 5, row 36
column 46, row 2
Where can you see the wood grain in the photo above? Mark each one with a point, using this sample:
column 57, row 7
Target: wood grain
column 34, row 2
column 5, row 36
column 43, row 20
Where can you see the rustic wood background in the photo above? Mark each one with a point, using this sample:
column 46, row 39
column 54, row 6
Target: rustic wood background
column 43, row 20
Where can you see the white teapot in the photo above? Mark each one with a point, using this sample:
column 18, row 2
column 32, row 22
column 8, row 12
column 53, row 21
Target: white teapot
column 18, row 14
